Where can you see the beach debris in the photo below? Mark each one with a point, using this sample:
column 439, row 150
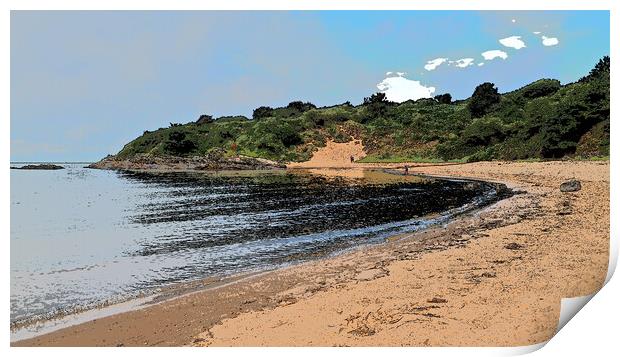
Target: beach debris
column 371, row 274
column 361, row 324
column 198, row 340
column 249, row 301
column 565, row 208
column 514, row 246
column 437, row 300
column 564, row 211
column 363, row 330
column 288, row 300
column 570, row 186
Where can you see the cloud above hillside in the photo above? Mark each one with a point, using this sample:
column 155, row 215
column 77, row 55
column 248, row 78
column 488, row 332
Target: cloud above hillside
column 513, row 42
column 399, row 89
column 434, row 63
column 550, row 41
column 492, row 54
column 464, row 62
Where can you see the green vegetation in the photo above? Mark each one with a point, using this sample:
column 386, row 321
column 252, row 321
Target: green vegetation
column 539, row 121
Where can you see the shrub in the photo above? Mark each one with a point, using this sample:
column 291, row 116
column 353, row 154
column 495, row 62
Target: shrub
column 178, row 144
column 301, row 106
column 540, row 88
column 444, row 98
column 262, row 112
column 204, row 119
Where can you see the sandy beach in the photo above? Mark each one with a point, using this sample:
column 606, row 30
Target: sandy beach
column 490, row 278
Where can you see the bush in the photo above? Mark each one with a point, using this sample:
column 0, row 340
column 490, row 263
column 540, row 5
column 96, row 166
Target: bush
column 300, row 106
column 178, row 144
column 262, row 112
column 444, row 98
column 540, row 88
column 484, row 131
column 204, row 119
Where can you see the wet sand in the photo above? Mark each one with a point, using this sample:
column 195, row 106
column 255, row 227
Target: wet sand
column 493, row 278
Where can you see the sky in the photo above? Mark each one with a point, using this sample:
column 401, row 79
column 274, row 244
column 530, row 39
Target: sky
column 83, row 84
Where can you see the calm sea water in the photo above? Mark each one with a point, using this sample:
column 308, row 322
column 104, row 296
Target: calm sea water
column 82, row 237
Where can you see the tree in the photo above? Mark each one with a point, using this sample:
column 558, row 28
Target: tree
column 444, row 98
column 377, row 98
column 205, row 119
column 485, row 95
column 376, row 105
column 178, row 144
column 601, row 69
column 262, row 112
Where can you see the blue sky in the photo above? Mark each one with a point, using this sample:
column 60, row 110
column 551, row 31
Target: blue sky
column 85, row 83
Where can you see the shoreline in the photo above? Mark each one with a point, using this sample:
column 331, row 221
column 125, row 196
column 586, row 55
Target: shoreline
column 209, row 317
column 38, row 326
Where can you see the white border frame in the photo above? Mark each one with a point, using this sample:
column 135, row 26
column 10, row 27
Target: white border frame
column 592, row 330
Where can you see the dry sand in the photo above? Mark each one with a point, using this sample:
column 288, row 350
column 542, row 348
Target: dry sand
column 334, row 155
column 494, row 278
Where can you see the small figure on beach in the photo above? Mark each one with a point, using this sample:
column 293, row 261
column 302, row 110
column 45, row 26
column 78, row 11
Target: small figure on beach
column 352, row 159
column 406, row 170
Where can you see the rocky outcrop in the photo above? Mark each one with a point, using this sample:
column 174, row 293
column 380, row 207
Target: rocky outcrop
column 570, row 186
column 38, row 167
column 213, row 161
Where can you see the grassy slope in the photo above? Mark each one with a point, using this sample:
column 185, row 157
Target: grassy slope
column 540, row 120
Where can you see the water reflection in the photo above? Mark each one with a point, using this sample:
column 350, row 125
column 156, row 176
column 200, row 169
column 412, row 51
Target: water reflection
column 104, row 236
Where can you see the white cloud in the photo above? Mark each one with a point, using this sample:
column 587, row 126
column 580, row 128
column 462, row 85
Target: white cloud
column 400, row 89
column 536, row 32
column 388, row 73
column 514, row 20
column 480, row 64
column 489, row 55
column 434, row 63
column 513, row 42
column 400, row 74
column 464, row 62
column 550, row 41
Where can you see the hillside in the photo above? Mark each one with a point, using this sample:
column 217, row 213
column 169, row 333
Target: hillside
column 541, row 120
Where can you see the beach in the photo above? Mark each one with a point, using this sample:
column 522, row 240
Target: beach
column 491, row 278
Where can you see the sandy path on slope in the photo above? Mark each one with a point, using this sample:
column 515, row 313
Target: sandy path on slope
column 490, row 279
column 334, row 155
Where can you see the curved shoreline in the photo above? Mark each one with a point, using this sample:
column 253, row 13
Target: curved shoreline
column 247, row 310
column 41, row 325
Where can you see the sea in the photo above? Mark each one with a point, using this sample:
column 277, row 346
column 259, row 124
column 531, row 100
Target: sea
column 84, row 238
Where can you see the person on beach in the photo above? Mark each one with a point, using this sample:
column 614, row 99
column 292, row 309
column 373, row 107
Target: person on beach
column 352, row 159
column 406, row 170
